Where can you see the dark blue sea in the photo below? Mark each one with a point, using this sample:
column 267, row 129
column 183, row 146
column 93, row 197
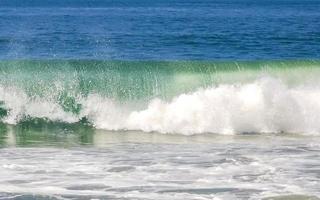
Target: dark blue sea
column 160, row 29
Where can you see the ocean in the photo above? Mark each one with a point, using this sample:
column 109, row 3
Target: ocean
column 164, row 99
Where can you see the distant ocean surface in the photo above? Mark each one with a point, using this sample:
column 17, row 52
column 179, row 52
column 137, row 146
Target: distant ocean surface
column 160, row 99
column 160, row 29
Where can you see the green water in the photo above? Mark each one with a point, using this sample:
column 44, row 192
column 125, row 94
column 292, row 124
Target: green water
column 67, row 80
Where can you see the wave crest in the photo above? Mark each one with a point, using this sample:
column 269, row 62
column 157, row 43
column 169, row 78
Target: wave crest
column 265, row 105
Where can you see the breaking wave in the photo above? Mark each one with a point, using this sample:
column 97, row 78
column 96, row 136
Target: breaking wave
column 182, row 98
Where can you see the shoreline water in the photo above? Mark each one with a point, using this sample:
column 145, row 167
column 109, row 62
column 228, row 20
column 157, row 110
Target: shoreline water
column 42, row 163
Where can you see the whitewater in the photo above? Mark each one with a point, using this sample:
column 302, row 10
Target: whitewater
column 265, row 98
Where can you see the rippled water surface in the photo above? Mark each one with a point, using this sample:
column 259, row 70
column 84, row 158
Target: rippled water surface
column 38, row 162
column 160, row 29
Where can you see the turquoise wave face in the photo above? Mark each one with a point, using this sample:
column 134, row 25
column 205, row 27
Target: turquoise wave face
column 130, row 80
column 117, row 95
column 66, row 81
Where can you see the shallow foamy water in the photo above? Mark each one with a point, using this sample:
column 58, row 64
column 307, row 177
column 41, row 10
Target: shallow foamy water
column 40, row 162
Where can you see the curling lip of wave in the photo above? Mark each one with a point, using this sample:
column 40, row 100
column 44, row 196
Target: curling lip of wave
column 264, row 105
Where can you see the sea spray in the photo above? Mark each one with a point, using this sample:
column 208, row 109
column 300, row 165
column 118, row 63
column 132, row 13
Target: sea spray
column 167, row 97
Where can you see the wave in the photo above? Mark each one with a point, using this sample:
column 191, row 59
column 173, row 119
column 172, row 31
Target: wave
column 168, row 97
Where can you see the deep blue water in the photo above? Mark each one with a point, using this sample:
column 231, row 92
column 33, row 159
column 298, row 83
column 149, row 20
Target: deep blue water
column 160, row 29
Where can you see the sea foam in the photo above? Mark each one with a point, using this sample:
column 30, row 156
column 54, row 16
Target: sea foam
column 264, row 105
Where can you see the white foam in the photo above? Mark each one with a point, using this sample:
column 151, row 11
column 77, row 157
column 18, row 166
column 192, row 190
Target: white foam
column 265, row 105
column 19, row 105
